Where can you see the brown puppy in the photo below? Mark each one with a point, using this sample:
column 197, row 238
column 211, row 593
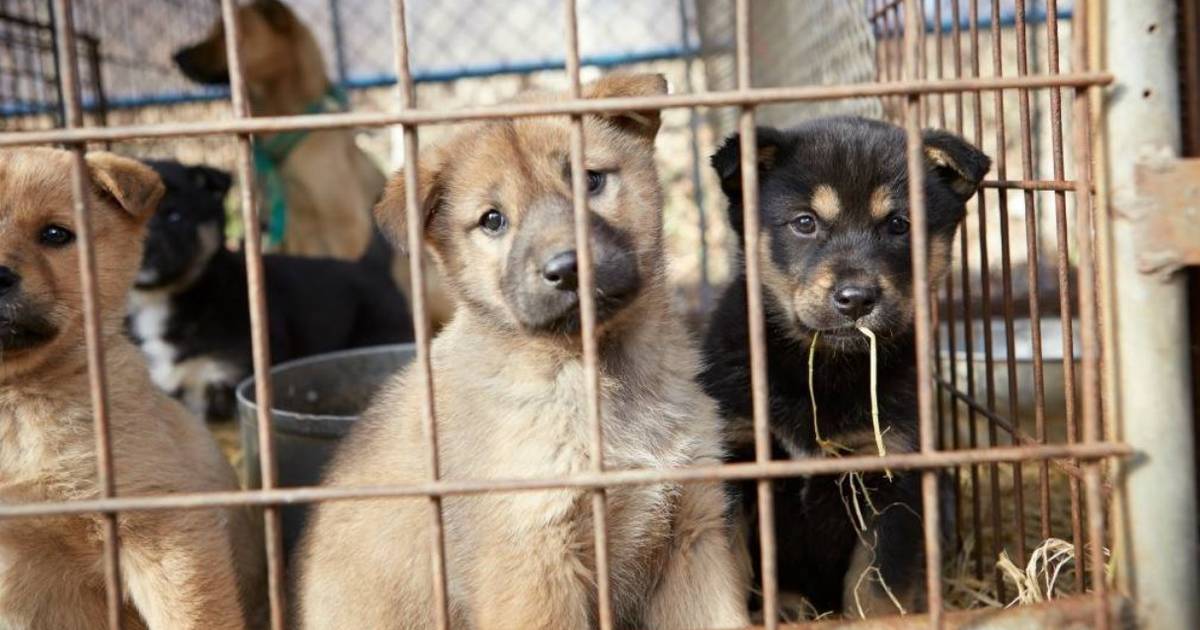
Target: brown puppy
column 194, row 569
column 330, row 184
column 511, row 402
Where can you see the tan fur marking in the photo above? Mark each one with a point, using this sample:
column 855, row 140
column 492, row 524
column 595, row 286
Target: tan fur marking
column 939, row 258
column 825, row 203
column 963, row 185
column 881, row 203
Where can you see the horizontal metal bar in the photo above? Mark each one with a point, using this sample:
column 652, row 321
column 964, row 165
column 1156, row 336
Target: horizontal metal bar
column 1016, row 432
column 378, row 80
column 766, row 470
column 1060, row 614
column 556, row 108
column 1031, row 184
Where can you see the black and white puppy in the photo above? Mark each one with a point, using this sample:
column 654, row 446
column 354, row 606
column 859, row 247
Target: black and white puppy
column 189, row 310
column 836, row 256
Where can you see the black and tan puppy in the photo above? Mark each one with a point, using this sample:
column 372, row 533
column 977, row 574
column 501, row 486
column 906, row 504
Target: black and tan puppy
column 836, row 256
column 511, row 403
column 180, row 570
column 189, row 310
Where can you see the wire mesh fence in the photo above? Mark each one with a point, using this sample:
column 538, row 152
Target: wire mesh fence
column 1010, row 353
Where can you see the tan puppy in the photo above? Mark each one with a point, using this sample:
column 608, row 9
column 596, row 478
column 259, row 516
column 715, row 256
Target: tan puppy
column 330, row 184
column 511, row 403
column 195, row 569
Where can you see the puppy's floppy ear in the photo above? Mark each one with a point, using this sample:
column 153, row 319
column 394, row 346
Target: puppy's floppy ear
column 213, row 180
column 133, row 186
column 643, row 124
column 727, row 161
column 955, row 162
column 391, row 211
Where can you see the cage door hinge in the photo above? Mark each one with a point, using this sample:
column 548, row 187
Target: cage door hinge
column 1169, row 229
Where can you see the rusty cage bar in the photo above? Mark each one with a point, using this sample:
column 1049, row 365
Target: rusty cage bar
column 914, row 88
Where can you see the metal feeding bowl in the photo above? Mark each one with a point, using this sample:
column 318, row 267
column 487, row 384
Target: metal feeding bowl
column 316, row 401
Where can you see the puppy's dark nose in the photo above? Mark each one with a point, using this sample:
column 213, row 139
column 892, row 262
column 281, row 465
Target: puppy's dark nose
column 8, row 281
column 855, row 300
column 561, row 271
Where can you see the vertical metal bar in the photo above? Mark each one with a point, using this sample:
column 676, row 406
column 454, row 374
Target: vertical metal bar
column 873, row 17
column 920, row 266
column 1088, row 318
column 587, row 314
column 940, row 62
column 68, row 89
column 56, row 51
column 694, row 145
column 1032, row 246
column 260, row 343
column 897, row 55
column 339, row 41
column 988, row 349
column 422, row 329
column 95, row 61
column 1064, row 279
column 989, row 383
column 754, row 309
column 1142, row 119
column 969, row 317
column 1110, row 411
column 923, row 72
column 1001, row 156
column 939, row 69
column 956, row 48
column 952, row 348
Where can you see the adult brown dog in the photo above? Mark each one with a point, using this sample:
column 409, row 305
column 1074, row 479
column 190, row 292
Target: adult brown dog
column 196, row 569
column 510, row 398
column 329, row 184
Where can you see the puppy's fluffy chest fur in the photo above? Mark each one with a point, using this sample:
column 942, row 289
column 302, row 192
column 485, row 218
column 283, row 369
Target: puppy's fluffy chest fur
column 522, row 413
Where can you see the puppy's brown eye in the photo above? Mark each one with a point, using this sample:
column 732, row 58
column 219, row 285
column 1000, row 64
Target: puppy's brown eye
column 493, row 222
column 596, row 181
column 804, row 224
column 897, row 225
column 56, row 236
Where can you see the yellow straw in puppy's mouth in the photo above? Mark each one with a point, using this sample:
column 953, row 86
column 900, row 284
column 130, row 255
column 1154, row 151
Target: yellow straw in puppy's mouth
column 875, row 396
column 829, row 447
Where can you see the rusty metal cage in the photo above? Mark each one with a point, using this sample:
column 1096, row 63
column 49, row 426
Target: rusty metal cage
column 940, row 63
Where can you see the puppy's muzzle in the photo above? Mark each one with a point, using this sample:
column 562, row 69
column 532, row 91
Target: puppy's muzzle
column 191, row 64
column 557, row 307
column 855, row 299
column 542, row 281
column 9, row 282
column 21, row 327
column 561, row 272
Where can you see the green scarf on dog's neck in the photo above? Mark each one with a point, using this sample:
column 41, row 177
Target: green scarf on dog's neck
column 271, row 152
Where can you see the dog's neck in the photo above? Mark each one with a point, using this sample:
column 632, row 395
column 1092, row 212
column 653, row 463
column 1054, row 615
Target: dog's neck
column 622, row 344
column 62, row 365
column 296, row 87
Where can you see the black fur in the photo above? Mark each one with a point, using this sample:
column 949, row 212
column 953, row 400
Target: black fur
column 816, row 534
column 314, row 305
